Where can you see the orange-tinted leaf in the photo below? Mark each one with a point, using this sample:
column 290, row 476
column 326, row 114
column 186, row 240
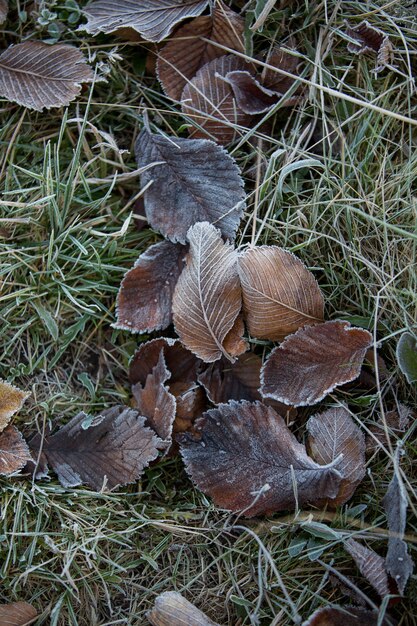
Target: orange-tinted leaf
column 210, row 103
column 207, row 298
column 14, row 452
column 370, row 565
column 171, row 609
column 187, row 52
column 144, row 301
column 315, row 360
column 279, row 293
column 370, row 39
column 182, row 364
column 195, row 181
column 17, row 614
column 191, row 403
column 334, row 433
column 4, row 8
column 246, row 458
column 11, row 401
column 348, row 616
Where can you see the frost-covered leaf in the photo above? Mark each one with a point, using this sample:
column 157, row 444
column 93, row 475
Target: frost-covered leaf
column 370, row 565
column 153, row 19
column 172, row 609
column 11, row 401
column 397, row 422
column 207, row 298
column 39, row 76
column 279, row 293
column 144, row 301
column 313, row 361
column 226, row 381
column 186, row 52
column 4, row 9
column 182, row 364
column 251, row 97
column 17, row 614
column 334, row 433
column 14, row 452
column 367, row 38
column 407, row 356
column 346, row 616
column 195, row 181
column 246, row 458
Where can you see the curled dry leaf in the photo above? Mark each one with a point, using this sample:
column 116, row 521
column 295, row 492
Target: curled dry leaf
column 334, row 433
column 247, row 459
column 210, row 103
column 191, row 403
column 4, row 9
column 348, row 616
column 370, row 39
column 182, row 364
column 17, row 614
column 172, row 609
column 279, row 293
column 315, row 360
column 207, row 298
column 200, row 179
column 11, row 401
column 407, row 356
column 153, row 19
column 251, row 97
column 144, row 301
column 186, row 52
column 370, row 565
column 39, row 76
column 14, row 452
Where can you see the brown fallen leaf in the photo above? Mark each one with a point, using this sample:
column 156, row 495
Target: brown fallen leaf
column 4, row 9
column 370, row 39
column 153, row 19
column 200, row 179
column 370, row 565
column 39, row 76
column 314, row 361
column 397, row 422
column 334, row 433
column 247, row 459
column 210, row 103
column 186, row 52
column 280, row 59
column 182, row 363
column 279, row 293
column 11, row 401
column 207, row 298
column 172, row 609
column 144, row 301
column 191, row 403
column 252, row 97
column 17, row 614
column 14, row 452
column 224, row 381
column 348, row 616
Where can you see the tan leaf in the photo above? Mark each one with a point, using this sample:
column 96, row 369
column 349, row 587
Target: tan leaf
column 370, row 565
column 11, row 401
column 144, row 301
column 14, row 452
column 334, row 433
column 153, row 19
column 234, row 343
column 209, row 101
column 187, row 52
column 200, row 179
column 348, row 616
column 247, row 459
column 370, row 39
column 171, row 609
column 4, row 9
column 313, row 362
column 207, row 298
column 279, row 293
column 39, row 76
column 182, row 364
column 17, row 614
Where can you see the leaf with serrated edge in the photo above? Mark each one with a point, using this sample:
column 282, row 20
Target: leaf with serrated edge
column 182, row 363
column 14, row 452
column 207, row 298
column 11, row 401
column 334, row 433
column 17, row 614
column 348, row 616
column 39, row 76
column 153, row 19
column 279, row 293
column 370, row 565
column 248, row 460
column 195, row 181
column 314, row 361
column 171, row 609
column 407, row 356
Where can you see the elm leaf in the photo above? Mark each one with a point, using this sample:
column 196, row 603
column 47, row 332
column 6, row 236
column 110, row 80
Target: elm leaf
column 407, row 356
column 11, row 401
column 14, row 452
column 172, row 609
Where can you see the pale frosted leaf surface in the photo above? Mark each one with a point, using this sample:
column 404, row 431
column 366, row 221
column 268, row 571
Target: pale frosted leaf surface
column 37, row 75
column 334, row 433
column 4, row 8
column 314, row 361
column 172, row 609
column 186, row 52
column 144, row 301
column 370, row 565
column 153, row 19
column 346, row 616
column 407, row 356
column 14, row 452
column 11, row 401
column 207, row 298
column 196, row 181
column 279, row 293
column 17, row 614
column 246, row 458
column 182, row 364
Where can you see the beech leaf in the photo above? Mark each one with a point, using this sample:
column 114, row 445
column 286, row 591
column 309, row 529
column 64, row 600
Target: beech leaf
column 370, row 565
column 144, row 301
column 39, row 76
column 348, row 616
column 247, row 459
column 407, row 356
column 207, row 298
column 17, row 614
column 226, row 381
column 11, row 401
column 14, row 452
column 314, row 361
column 279, row 293
column 193, row 181
column 181, row 363
column 153, row 19
column 172, row 609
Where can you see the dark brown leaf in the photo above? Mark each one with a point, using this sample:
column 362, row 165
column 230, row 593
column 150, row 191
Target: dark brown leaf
column 370, row 564
column 39, row 76
column 348, row 616
column 191, row 403
column 182, row 364
column 315, row 360
column 193, row 175
column 248, row 460
column 17, row 614
column 171, row 609
column 11, row 401
column 144, row 301
column 14, row 452
column 280, row 59
column 251, row 97
column 370, row 39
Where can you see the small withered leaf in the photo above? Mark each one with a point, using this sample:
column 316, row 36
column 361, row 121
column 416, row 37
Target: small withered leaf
column 172, row 609
column 279, row 293
column 39, row 76
column 407, row 356
column 370, row 39
column 348, row 616
column 4, row 9
column 14, row 452
column 144, row 301
column 313, row 361
column 370, row 565
column 397, row 422
column 153, row 19
column 200, row 179
column 247, row 459
column 207, row 298
column 11, row 401
column 182, row 364
column 17, row 614
column 186, row 52
column 334, row 433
